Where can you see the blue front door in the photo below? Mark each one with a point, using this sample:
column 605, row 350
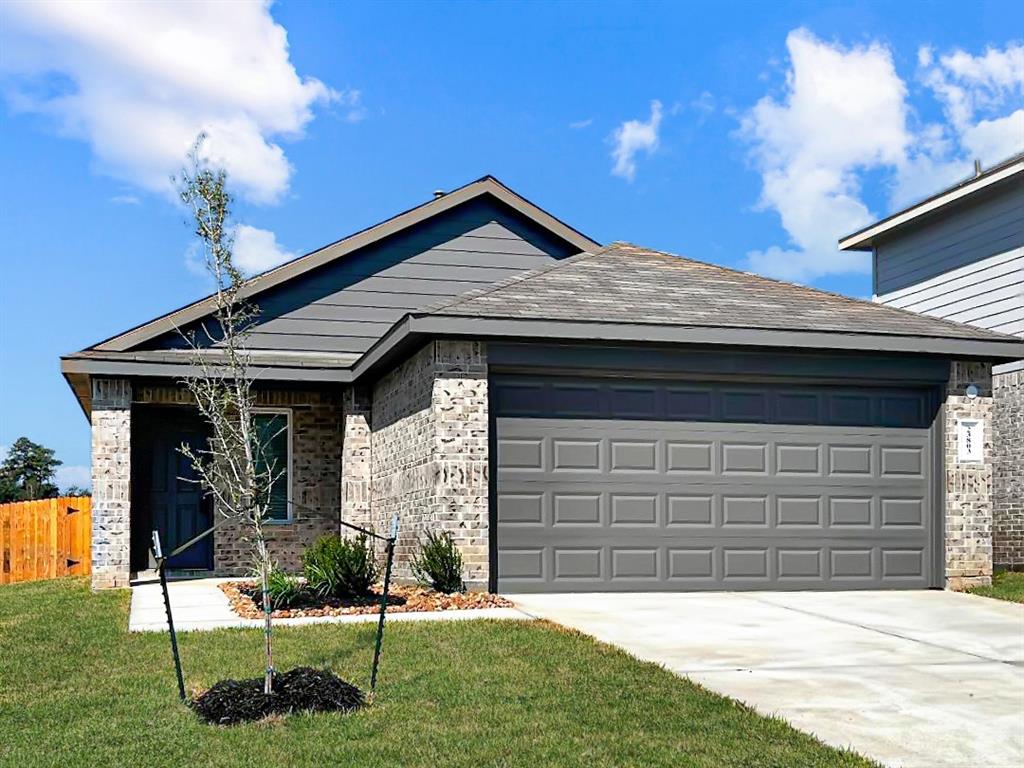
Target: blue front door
column 177, row 506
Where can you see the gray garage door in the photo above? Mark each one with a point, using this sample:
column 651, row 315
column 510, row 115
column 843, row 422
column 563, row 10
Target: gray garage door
column 612, row 484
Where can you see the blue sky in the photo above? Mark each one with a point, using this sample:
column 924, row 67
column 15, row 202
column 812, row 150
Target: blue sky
column 748, row 134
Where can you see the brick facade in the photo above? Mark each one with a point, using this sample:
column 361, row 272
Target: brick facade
column 968, row 521
column 429, row 452
column 417, row 445
column 1008, row 482
column 111, row 482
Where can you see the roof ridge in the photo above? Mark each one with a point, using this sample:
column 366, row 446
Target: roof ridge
column 476, row 293
column 798, row 286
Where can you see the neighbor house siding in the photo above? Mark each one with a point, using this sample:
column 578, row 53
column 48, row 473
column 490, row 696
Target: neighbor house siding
column 347, row 305
column 989, row 225
column 988, row 293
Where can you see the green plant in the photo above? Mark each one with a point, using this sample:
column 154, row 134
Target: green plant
column 283, row 590
column 337, row 567
column 439, row 563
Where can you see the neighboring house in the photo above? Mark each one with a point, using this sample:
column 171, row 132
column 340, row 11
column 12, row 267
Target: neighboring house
column 959, row 255
column 579, row 417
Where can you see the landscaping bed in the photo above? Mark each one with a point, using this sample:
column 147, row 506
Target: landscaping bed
column 246, row 601
column 302, row 689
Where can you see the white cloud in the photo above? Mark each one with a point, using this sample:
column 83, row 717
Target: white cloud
column 257, row 250
column 845, row 112
column 632, row 137
column 139, row 80
column 842, row 111
column 579, row 124
column 704, row 104
column 67, row 476
column 125, row 200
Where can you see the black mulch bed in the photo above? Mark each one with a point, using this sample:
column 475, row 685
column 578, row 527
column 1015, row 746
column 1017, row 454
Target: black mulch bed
column 302, row 689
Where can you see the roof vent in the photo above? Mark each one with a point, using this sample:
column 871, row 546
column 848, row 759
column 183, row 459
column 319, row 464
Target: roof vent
column 438, row 193
column 977, row 168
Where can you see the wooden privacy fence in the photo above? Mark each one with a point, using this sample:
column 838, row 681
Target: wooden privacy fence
column 45, row 539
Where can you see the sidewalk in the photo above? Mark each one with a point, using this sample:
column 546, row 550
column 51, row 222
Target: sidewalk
column 199, row 605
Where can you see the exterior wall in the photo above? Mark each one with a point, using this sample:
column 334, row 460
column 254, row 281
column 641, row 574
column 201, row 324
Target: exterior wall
column 347, row 306
column 111, row 482
column 316, row 422
column 1008, row 434
column 988, row 293
column 969, row 490
column 429, row 452
column 990, row 223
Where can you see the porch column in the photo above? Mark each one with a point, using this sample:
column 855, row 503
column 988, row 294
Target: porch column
column 111, row 482
column 969, row 476
column 357, row 404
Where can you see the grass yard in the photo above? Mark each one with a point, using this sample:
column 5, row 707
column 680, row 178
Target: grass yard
column 1006, row 585
column 77, row 689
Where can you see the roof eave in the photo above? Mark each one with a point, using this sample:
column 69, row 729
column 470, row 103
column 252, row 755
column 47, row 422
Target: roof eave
column 412, row 329
column 864, row 239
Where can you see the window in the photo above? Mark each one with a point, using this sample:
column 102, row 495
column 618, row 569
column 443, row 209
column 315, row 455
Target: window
column 274, row 430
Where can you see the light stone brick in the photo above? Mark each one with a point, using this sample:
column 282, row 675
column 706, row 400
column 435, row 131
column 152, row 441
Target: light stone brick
column 111, row 482
column 430, row 453
column 969, row 491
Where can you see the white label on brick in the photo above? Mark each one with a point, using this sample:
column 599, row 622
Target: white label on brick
column 970, row 436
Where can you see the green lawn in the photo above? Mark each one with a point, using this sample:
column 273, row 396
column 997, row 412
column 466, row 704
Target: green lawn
column 77, row 689
column 1006, row 585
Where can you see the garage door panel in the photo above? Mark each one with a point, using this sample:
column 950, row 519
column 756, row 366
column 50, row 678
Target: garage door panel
column 612, row 503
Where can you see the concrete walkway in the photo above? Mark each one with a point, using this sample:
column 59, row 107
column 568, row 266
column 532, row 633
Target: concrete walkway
column 198, row 604
column 928, row 679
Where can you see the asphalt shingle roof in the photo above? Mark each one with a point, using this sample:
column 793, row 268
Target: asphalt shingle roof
column 623, row 283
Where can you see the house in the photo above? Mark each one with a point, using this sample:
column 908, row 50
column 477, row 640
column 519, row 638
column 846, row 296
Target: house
column 579, row 417
column 959, row 255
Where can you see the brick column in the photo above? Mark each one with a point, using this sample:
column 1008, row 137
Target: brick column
column 429, row 453
column 111, row 482
column 969, row 494
column 357, row 405
column 460, row 500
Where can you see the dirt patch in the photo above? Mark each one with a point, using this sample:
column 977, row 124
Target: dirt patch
column 302, row 689
column 245, row 601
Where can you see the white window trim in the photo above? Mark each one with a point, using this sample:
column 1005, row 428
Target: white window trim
column 290, row 506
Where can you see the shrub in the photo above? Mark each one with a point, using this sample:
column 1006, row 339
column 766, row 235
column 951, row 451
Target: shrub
column 283, row 590
column 337, row 567
column 439, row 563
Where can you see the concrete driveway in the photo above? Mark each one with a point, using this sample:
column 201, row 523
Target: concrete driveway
column 924, row 679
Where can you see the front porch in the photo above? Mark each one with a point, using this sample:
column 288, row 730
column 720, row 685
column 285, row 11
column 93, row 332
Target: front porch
column 143, row 483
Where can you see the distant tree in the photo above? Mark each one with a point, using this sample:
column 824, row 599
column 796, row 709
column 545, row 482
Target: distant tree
column 76, row 490
column 28, row 472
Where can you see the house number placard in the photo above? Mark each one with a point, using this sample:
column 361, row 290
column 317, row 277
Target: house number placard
column 970, row 436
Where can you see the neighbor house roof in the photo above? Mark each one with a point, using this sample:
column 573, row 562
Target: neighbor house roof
column 1010, row 170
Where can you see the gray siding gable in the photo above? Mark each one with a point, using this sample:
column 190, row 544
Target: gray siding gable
column 989, row 224
column 964, row 264
column 348, row 304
